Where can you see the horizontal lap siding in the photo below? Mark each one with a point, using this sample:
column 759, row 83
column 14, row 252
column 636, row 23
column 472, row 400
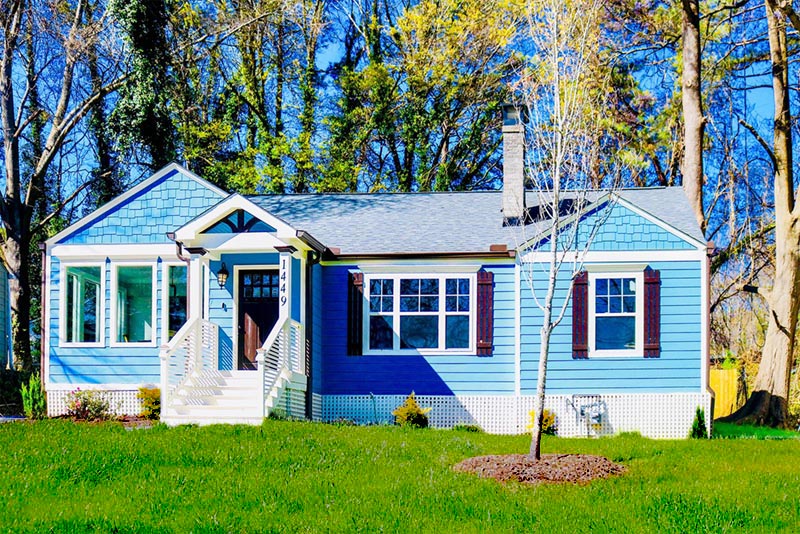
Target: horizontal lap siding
column 106, row 364
column 164, row 206
column 220, row 300
column 676, row 370
column 426, row 375
column 317, row 364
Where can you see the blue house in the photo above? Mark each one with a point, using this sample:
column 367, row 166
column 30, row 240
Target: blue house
column 329, row 306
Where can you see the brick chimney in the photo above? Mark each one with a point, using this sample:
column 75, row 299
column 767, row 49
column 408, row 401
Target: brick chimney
column 514, row 207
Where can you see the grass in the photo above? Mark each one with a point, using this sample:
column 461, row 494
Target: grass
column 729, row 430
column 306, row 477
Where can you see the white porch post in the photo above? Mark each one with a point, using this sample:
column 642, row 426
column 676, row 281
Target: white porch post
column 195, row 286
column 285, row 276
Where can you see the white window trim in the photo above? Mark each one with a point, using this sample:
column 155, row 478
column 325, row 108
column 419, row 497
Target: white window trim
column 114, row 303
column 638, row 351
column 62, row 326
column 165, row 265
column 441, row 314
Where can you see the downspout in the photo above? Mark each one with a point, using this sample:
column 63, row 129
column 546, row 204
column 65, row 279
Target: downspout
column 187, row 261
column 312, row 258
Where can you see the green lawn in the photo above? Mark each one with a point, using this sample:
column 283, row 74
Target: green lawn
column 305, row 477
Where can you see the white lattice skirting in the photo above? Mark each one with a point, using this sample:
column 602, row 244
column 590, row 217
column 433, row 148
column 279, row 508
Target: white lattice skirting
column 654, row 415
column 291, row 402
column 121, row 402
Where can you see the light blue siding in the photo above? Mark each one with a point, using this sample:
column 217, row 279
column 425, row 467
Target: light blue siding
column 221, row 300
column 677, row 369
column 621, row 229
column 106, row 364
column 426, row 375
column 163, row 206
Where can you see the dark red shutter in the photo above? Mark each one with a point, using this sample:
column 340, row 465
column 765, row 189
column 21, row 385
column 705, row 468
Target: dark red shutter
column 580, row 316
column 652, row 313
column 485, row 308
column 355, row 313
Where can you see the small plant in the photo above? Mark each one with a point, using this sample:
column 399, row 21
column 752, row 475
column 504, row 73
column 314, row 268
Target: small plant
column 699, row 430
column 34, row 403
column 549, row 427
column 466, row 427
column 88, row 405
column 410, row 413
column 151, row 403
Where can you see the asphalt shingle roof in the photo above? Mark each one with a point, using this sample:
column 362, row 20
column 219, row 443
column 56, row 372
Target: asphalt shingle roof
column 393, row 223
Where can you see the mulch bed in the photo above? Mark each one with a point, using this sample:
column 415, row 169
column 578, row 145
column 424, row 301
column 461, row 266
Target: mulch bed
column 552, row 468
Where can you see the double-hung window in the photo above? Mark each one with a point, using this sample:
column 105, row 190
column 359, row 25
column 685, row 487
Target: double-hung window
column 616, row 314
column 83, row 304
column 425, row 314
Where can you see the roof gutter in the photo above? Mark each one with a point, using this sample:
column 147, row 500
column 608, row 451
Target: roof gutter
column 311, row 241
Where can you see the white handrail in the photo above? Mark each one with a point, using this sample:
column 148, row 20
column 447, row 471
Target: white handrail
column 282, row 351
column 194, row 347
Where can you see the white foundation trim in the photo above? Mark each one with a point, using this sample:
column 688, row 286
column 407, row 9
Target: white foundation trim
column 654, row 415
column 121, row 401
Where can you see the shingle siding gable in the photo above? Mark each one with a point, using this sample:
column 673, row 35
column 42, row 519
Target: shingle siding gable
column 167, row 204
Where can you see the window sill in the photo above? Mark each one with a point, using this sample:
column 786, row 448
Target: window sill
column 460, row 352
column 621, row 354
column 133, row 344
column 80, row 345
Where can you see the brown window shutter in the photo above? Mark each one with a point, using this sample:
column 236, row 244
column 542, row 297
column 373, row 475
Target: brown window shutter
column 485, row 311
column 355, row 314
column 580, row 316
column 652, row 313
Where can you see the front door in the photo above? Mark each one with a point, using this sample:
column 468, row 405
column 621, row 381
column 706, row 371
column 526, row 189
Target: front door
column 258, row 312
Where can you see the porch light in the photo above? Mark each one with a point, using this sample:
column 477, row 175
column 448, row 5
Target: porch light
column 222, row 275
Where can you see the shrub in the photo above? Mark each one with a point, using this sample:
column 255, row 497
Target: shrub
column 151, row 403
column 410, row 413
column 88, row 405
column 34, row 404
column 467, row 427
column 699, row 430
column 549, row 427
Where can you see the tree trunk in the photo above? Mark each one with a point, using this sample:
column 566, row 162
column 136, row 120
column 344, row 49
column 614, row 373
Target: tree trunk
column 544, row 349
column 767, row 404
column 693, row 120
column 16, row 253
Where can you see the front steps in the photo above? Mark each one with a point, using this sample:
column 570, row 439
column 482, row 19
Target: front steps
column 213, row 397
column 233, row 397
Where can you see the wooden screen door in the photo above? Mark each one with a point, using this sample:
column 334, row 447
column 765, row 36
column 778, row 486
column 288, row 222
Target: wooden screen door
column 257, row 314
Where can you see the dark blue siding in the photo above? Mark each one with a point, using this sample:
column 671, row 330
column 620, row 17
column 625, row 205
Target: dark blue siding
column 425, row 375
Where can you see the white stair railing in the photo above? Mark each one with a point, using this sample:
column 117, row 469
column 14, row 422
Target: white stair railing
column 192, row 349
column 282, row 351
